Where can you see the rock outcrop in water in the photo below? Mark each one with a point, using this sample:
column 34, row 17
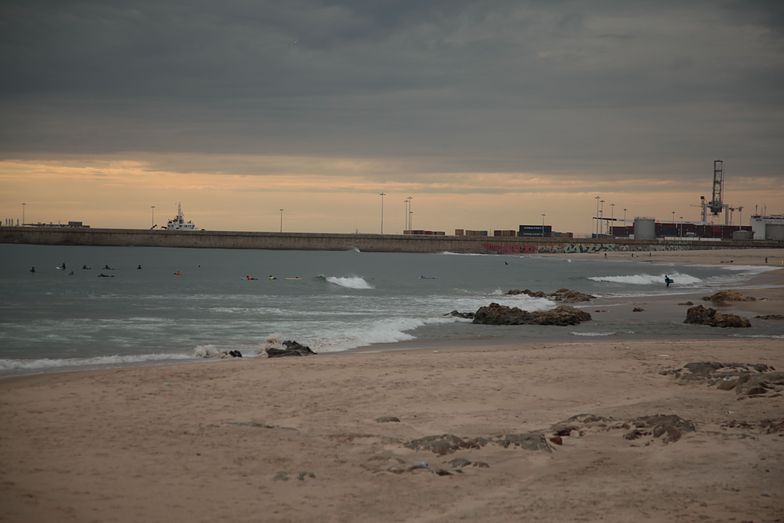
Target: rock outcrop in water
column 708, row 316
column 495, row 314
column 564, row 295
column 290, row 348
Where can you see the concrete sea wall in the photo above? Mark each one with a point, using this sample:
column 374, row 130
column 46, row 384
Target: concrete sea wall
column 339, row 242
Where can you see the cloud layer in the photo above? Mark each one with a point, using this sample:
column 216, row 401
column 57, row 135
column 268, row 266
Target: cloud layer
column 404, row 92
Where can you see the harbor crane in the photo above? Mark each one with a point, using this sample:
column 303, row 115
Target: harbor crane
column 716, row 204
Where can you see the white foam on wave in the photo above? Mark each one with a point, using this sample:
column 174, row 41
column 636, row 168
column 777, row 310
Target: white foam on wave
column 521, row 301
column 349, row 282
column 450, row 253
column 388, row 330
column 649, row 279
column 593, row 334
column 51, row 363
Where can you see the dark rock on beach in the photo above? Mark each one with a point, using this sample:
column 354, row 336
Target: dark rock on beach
column 721, row 297
column 708, row 316
column 291, row 348
column 638, row 309
column 771, row 317
column 495, row 314
column 388, row 419
column 747, row 379
column 443, row 444
column 526, row 440
column 668, row 428
column 564, row 295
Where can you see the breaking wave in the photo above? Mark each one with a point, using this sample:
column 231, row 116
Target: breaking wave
column 349, row 282
column 389, row 330
column 649, row 279
column 594, row 334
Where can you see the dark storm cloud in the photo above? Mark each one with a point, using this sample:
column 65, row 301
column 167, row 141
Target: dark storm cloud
column 602, row 88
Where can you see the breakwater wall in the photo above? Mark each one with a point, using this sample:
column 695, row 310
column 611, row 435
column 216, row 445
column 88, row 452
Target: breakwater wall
column 340, row 242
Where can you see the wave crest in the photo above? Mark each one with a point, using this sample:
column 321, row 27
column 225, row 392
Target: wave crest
column 649, row 279
column 349, row 282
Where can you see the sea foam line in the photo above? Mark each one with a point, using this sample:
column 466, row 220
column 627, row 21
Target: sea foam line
column 649, row 279
column 51, row 363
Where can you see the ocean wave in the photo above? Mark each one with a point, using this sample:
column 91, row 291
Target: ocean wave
column 349, row 282
column 51, row 363
column 649, row 279
column 388, row 330
column 592, row 334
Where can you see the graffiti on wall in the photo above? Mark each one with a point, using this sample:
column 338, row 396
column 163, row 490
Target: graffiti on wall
column 570, row 248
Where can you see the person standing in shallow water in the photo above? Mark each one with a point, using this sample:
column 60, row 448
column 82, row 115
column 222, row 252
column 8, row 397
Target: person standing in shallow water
column 667, row 280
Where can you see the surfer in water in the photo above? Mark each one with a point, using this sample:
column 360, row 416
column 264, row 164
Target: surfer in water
column 668, row 280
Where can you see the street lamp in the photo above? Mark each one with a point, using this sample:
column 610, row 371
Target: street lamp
column 596, row 216
column 405, row 215
column 601, row 217
column 23, row 212
column 281, row 220
column 152, row 221
column 382, row 211
column 410, row 212
column 681, row 227
column 612, row 217
column 624, row 216
column 543, row 215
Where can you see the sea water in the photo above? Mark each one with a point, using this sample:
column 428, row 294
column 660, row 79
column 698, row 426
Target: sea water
column 116, row 305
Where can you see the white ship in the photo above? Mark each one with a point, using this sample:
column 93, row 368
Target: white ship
column 178, row 223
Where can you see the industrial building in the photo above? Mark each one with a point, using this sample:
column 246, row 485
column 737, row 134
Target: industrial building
column 768, row 227
column 650, row 229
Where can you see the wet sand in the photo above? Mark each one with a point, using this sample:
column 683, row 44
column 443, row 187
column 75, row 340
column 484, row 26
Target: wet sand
column 298, row 439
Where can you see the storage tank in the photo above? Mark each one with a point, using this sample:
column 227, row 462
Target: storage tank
column 644, row 229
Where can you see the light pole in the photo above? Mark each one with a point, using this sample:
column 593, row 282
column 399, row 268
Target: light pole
column 543, row 215
column 601, row 217
column 382, row 211
column 681, row 227
column 23, row 212
column 281, row 220
column 612, row 217
column 624, row 216
column 405, row 215
column 596, row 216
column 152, row 221
column 410, row 212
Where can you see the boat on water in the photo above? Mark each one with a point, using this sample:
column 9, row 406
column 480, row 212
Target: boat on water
column 178, row 223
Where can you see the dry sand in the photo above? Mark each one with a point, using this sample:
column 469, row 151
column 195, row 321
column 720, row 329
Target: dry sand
column 297, row 439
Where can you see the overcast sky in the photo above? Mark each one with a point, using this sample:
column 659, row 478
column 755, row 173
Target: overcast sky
column 439, row 97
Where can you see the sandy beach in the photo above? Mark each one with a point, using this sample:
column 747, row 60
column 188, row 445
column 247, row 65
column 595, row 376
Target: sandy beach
column 606, row 430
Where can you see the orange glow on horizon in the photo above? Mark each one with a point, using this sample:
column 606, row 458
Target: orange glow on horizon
column 335, row 195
